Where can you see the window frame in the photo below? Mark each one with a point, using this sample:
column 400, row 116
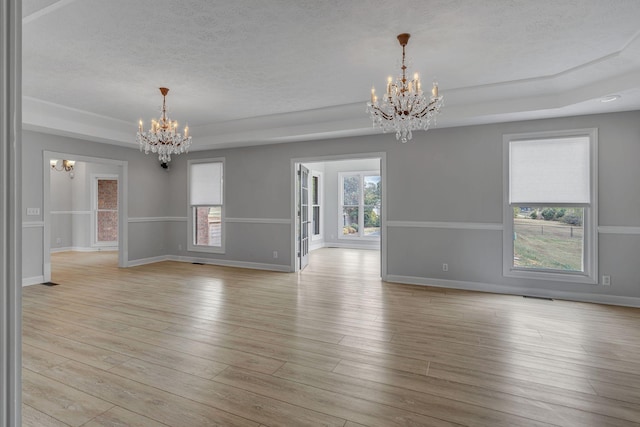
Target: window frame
column 191, row 230
column 361, row 206
column 316, row 174
column 590, row 219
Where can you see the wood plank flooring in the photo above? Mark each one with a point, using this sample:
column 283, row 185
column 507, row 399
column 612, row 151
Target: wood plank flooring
column 176, row 344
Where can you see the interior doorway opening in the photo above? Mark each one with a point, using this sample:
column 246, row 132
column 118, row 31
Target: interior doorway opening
column 84, row 207
column 338, row 202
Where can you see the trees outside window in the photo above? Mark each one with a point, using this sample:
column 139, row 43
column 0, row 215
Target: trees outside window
column 360, row 205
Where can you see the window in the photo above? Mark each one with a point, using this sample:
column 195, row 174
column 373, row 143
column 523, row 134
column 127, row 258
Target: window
column 360, row 205
column 315, row 205
column 106, row 210
column 550, row 216
column 206, row 208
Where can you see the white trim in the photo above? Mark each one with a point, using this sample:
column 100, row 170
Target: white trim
column 615, row 229
column 513, row 290
column 158, row 219
column 232, row 263
column 347, row 245
column 211, row 261
column 70, row 212
column 10, row 213
column 30, row 281
column 260, row 220
column 85, row 249
column 144, row 261
column 447, row 224
column 32, row 224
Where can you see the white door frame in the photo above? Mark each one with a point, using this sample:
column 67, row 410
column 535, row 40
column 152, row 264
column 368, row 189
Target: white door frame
column 10, row 213
column 383, row 225
column 123, row 224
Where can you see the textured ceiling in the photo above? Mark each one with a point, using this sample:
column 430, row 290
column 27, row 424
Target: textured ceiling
column 228, row 63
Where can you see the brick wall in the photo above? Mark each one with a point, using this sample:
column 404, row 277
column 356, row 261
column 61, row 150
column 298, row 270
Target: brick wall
column 202, row 224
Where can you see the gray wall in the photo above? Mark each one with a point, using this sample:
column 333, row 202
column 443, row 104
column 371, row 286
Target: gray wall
column 451, row 175
column 444, row 175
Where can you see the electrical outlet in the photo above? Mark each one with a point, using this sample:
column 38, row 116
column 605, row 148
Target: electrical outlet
column 606, row 280
column 179, row 247
column 275, row 254
column 445, row 267
column 58, row 240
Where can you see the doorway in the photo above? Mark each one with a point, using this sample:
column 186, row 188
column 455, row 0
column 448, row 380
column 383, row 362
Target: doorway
column 84, row 208
column 337, row 202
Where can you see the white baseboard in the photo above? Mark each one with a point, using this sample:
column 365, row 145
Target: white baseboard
column 352, row 245
column 84, row 249
column 36, row 280
column 513, row 290
column 211, row 261
column 144, row 261
column 232, row 263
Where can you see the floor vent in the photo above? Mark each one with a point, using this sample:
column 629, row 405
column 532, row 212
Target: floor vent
column 197, row 263
column 49, row 284
column 532, row 297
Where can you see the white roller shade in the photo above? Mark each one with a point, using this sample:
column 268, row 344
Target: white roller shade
column 550, row 171
column 206, row 184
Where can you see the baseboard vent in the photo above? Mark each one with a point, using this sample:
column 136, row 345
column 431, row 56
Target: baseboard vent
column 197, row 263
column 50, row 284
column 542, row 298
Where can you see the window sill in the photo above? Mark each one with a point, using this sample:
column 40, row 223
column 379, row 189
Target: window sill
column 205, row 249
column 580, row 278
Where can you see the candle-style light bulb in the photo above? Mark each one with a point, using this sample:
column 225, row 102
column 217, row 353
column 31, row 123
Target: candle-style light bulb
column 373, row 95
column 434, row 90
column 140, row 128
column 186, row 131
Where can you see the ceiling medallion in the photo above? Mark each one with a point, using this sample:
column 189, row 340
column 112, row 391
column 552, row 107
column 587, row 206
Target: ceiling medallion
column 404, row 107
column 163, row 137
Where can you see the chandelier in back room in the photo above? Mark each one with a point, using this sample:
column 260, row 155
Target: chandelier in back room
column 163, row 137
column 404, row 107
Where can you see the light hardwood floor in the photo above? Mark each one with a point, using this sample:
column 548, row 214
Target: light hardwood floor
column 176, row 344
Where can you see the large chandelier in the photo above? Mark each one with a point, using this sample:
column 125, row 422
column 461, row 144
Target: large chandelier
column 163, row 137
column 404, row 107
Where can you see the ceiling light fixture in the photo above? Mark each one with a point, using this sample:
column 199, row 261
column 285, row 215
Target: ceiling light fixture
column 404, row 107
column 63, row 165
column 163, row 137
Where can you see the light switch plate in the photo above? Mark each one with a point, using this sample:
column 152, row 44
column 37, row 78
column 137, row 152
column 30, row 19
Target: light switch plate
column 33, row 211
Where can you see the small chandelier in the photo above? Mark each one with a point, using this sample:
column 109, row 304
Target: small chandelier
column 404, row 107
column 163, row 137
column 62, row 165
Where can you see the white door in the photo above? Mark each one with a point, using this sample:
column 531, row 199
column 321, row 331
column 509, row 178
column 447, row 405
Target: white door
column 303, row 216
